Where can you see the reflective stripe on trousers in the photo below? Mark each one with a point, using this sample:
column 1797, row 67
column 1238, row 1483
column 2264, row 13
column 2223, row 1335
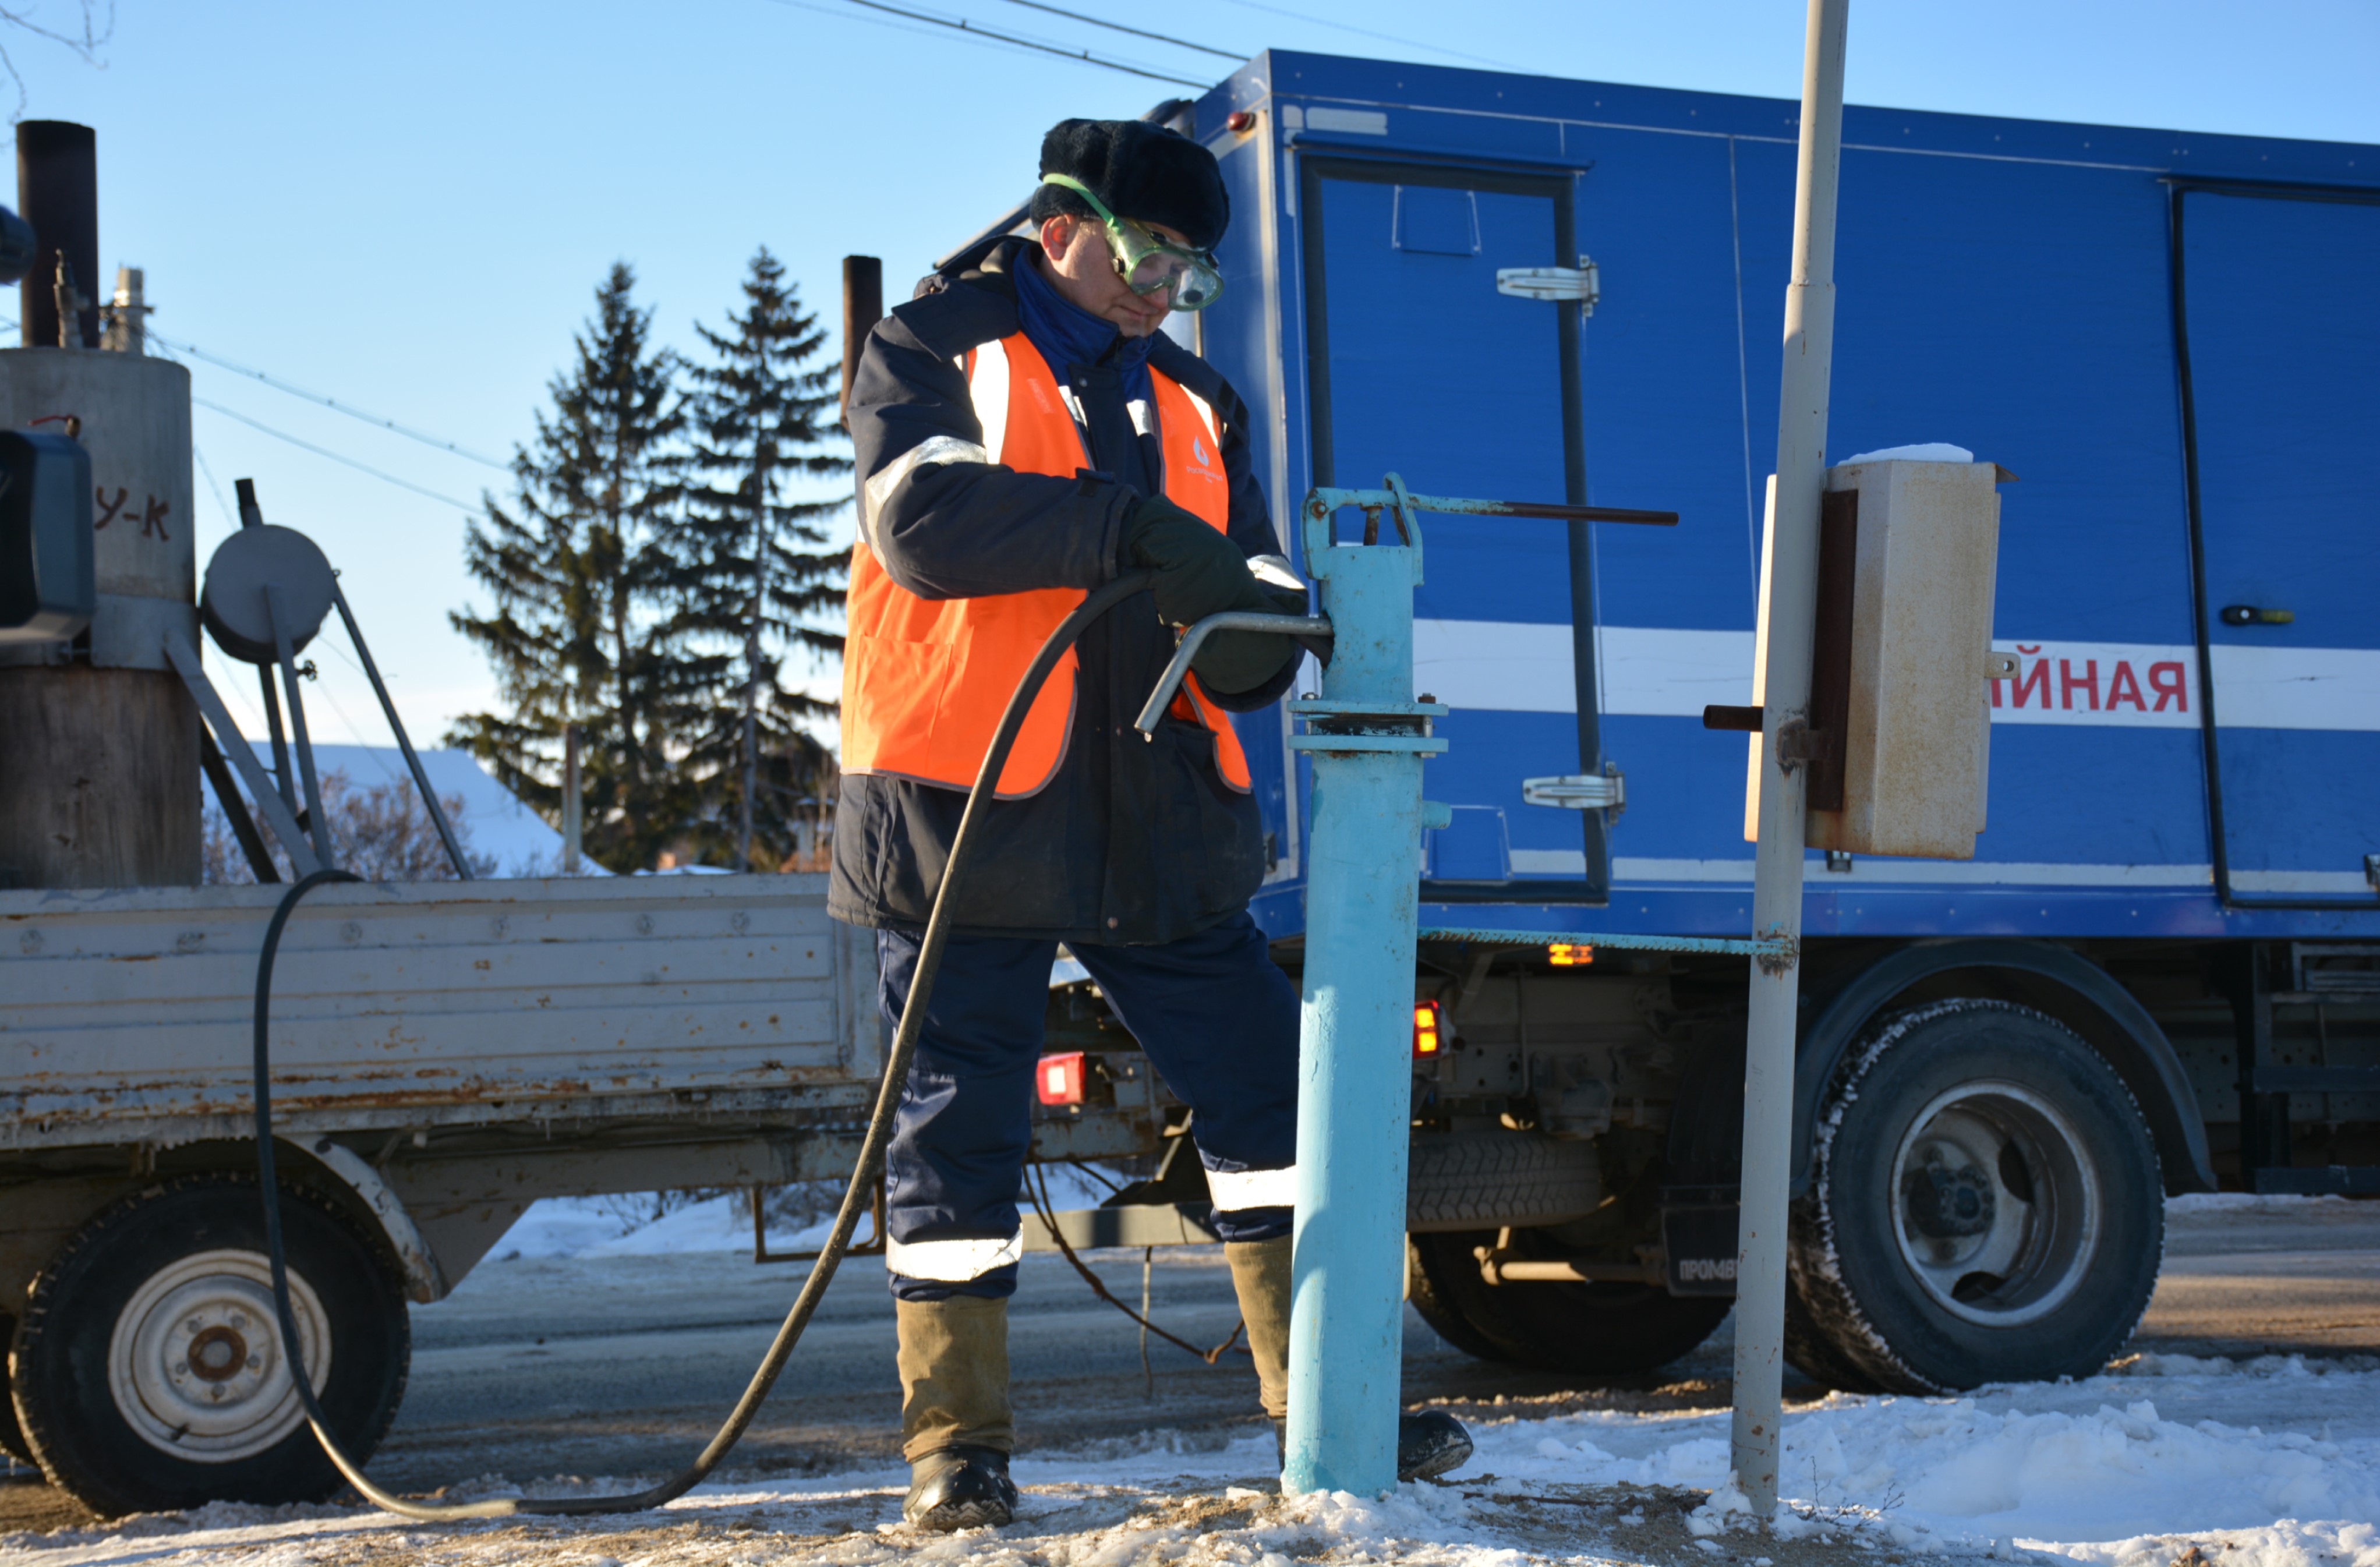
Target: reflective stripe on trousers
column 1217, row 1018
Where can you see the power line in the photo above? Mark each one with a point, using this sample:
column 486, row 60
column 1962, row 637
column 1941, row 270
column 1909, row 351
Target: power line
column 828, row 8
column 174, row 347
column 330, row 402
column 1234, row 54
column 960, row 24
column 215, row 488
column 963, row 25
column 1385, row 37
column 463, row 507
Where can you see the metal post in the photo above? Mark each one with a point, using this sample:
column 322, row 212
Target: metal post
column 57, row 192
column 573, row 828
column 403, row 741
column 127, row 315
column 1367, row 737
column 1789, row 615
column 318, row 822
column 863, row 307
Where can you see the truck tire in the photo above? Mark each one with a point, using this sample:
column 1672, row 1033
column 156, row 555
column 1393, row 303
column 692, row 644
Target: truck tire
column 12, row 1441
column 148, row 1372
column 1491, row 1180
column 1438, row 1308
column 1601, row 1329
column 1984, row 1205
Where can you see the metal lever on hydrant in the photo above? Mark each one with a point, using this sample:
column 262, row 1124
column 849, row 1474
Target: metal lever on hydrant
column 1231, row 620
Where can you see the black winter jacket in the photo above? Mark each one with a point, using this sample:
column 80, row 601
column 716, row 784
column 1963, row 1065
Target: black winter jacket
column 1131, row 841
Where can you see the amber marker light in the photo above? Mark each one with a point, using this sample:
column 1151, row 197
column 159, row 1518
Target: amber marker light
column 1426, row 1033
column 1568, row 955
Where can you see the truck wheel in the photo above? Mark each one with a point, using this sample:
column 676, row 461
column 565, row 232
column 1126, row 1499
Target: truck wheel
column 148, row 1372
column 1602, row 1329
column 12, row 1441
column 1436, row 1305
column 1984, row 1205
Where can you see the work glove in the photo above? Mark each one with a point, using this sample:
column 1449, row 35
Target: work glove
column 1200, row 571
column 1228, row 663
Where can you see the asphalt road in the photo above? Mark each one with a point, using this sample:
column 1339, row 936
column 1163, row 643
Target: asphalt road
column 622, row 1368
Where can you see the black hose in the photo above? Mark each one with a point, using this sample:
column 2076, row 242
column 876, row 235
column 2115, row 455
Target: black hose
column 857, row 1198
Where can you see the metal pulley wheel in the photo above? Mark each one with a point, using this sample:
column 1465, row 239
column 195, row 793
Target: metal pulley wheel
column 233, row 606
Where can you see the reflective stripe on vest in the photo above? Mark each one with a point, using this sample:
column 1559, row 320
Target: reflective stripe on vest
column 926, row 680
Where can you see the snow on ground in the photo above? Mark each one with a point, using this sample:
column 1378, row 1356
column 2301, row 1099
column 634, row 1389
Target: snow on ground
column 2163, row 1461
column 2272, row 1462
column 2255, row 1202
column 595, row 1227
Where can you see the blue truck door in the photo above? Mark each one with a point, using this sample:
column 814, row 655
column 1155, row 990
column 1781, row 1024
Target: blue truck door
column 2281, row 364
column 1418, row 365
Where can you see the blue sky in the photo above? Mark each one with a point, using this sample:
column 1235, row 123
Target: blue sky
column 408, row 206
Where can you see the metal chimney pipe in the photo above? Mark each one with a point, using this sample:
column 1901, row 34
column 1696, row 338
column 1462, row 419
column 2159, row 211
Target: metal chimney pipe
column 863, row 307
column 57, row 192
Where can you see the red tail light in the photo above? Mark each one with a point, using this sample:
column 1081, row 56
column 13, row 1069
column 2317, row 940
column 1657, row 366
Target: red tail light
column 1059, row 1079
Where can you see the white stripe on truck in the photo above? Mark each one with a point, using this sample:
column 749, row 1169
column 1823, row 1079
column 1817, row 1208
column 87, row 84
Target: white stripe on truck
column 1506, row 666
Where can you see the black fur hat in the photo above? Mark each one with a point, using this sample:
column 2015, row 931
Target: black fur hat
column 1140, row 171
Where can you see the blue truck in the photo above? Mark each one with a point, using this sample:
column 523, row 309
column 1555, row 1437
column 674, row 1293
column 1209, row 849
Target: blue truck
column 2161, row 969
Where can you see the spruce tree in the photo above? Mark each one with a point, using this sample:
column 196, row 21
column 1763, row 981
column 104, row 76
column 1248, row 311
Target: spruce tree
column 579, row 633
column 749, row 576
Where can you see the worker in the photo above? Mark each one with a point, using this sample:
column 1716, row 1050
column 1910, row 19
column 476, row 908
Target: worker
column 1023, row 434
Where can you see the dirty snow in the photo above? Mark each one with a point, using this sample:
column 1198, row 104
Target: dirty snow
column 1924, row 452
column 2255, row 1202
column 2269, row 1463
column 2165, row 1459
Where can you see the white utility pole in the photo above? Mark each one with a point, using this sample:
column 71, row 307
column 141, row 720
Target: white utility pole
column 1790, row 586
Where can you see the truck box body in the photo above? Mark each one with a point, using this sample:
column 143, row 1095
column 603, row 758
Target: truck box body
column 2171, row 339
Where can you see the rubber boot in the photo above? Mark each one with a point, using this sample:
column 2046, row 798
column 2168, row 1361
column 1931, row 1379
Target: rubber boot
column 1260, row 1274
column 1428, row 1444
column 955, row 1428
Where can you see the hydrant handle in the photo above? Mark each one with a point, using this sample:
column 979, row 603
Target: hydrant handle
column 1235, row 620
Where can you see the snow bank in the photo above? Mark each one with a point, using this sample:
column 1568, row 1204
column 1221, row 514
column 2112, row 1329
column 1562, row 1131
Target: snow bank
column 2080, row 1468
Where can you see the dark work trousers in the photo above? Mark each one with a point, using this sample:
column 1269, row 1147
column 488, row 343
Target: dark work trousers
column 1217, row 1018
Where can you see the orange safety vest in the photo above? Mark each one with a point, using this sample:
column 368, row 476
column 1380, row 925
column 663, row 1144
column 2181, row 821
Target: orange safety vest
column 926, row 680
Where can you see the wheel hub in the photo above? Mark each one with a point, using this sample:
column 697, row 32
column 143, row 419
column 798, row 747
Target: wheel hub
column 219, row 1353
column 1998, row 1202
column 1945, row 1204
column 195, row 1364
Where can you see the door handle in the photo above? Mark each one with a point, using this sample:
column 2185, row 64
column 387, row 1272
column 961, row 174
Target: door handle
column 2251, row 614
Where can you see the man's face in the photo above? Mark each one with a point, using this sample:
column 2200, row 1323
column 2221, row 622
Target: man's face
column 1078, row 263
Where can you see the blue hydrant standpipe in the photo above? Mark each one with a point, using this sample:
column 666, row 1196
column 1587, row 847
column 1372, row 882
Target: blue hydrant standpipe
column 1366, row 737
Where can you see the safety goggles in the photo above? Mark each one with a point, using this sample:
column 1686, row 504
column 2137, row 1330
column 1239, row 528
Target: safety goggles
column 1147, row 263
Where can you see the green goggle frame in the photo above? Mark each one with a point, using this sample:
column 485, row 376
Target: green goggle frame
column 1148, row 262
